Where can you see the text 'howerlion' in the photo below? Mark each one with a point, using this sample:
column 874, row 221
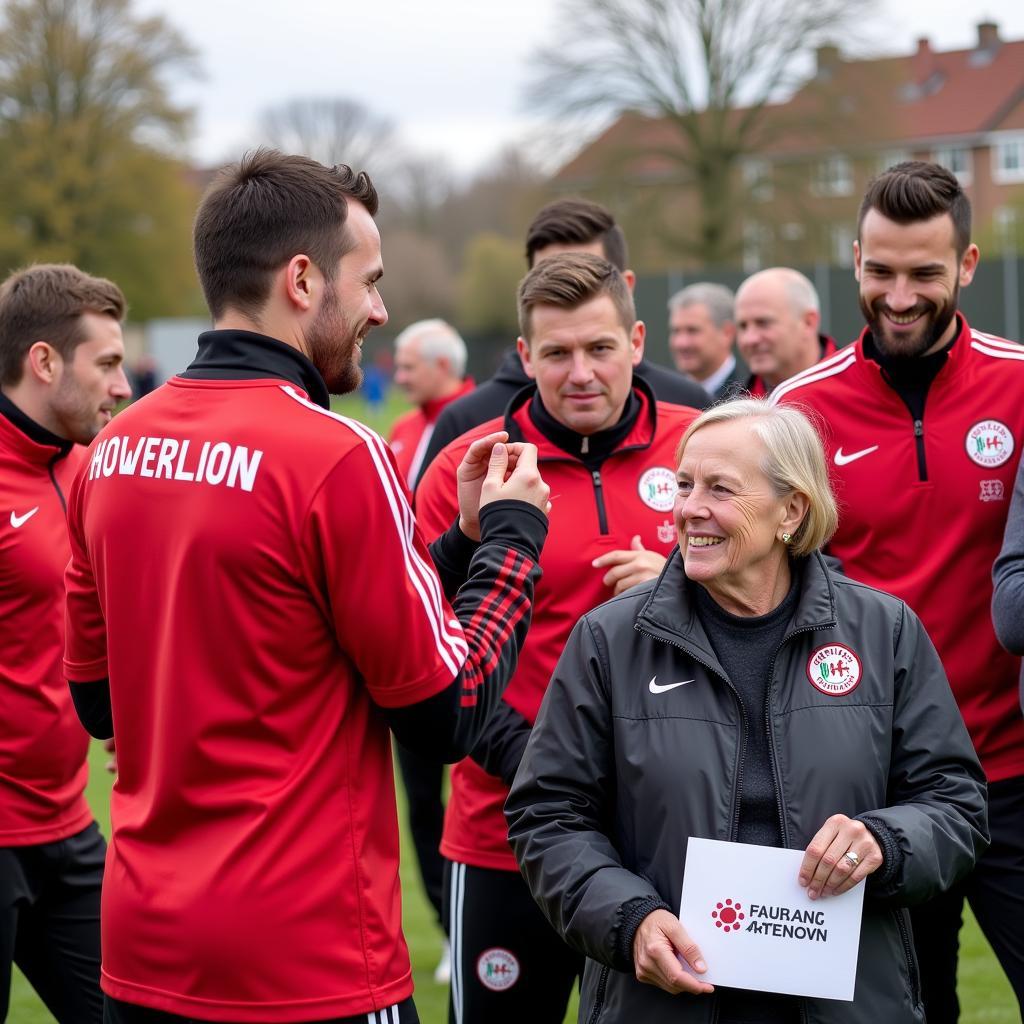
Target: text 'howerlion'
column 167, row 458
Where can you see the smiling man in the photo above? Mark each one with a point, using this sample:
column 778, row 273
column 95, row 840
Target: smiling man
column 61, row 375
column 607, row 448
column 778, row 320
column 243, row 560
column 923, row 422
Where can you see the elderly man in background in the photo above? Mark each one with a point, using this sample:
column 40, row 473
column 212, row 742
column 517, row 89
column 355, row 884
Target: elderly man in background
column 778, row 319
column 701, row 334
column 430, row 367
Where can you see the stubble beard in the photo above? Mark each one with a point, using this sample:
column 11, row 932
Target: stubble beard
column 909, row 345
column 333, row 349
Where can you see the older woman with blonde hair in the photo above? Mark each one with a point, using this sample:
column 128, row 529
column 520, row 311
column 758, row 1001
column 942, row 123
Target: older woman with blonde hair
column 749, row 694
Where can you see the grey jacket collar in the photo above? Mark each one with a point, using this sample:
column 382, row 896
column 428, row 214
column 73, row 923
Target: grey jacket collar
column 670, row 611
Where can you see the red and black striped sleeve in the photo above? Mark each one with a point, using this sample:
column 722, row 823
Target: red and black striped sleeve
column 494, row 607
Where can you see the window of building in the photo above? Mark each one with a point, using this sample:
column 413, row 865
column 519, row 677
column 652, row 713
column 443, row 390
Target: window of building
column 1008, row 159
column 757, row 241
column 956, row 159
column 757, row 177
column 833, row 176
column 840, row 244
column 890, row 157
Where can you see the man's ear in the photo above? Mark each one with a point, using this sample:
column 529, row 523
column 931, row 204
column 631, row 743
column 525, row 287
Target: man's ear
column 43, row 362
column 968, row 265
column 523, row 348
column 630, row 279
column 636, row 341
column 299, row 281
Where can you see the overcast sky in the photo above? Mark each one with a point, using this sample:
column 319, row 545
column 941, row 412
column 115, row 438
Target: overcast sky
column 450, row 73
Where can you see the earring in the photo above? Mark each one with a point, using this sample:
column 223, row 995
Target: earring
column 786, row 538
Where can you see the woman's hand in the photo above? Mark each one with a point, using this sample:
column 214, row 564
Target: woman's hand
column 826, row 870
column 658, row 944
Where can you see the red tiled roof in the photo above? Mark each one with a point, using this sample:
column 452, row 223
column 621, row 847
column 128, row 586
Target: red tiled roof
column 852, row 104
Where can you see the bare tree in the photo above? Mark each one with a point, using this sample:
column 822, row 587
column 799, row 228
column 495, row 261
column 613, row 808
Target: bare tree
column 88, row 131
column 707, row 67
column 331, row 131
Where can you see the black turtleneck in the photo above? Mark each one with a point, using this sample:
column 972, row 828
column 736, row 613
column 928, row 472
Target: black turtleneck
column 32, row 430
column 246, row 355
column 910, row 376
column 590, row 449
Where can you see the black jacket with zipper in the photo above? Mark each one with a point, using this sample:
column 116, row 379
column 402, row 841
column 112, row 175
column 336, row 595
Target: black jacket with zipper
column 617, row 776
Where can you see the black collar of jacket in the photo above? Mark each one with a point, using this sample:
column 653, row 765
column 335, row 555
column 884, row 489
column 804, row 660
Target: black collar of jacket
column 670, row 612
column 903, row 372
column 245, row 355
column 603, row 443
column 34, row 431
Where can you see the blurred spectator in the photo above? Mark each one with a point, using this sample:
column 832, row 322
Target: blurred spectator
column 430, row 367
column 702, row 331
column 778, row 317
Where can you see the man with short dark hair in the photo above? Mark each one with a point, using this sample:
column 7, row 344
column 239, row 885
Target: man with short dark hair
column 61, row 376
column 608, row 451
column 563, row 226
column 701, row 335
column 252, row 670
column 923, row 423
column 778, row 324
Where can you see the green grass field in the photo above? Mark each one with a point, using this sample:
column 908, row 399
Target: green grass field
column 985, row 994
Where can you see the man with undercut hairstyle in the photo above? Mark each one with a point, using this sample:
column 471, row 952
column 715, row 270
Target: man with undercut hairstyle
column 61, row 376
column 778, row 323
column 607, row 448
column 923, row 424
column 563, row 226
column 289, row 614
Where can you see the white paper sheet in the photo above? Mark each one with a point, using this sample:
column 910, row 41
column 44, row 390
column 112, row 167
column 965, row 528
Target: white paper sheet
column 758, row 929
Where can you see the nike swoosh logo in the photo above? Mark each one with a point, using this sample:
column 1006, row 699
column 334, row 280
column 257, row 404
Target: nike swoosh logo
column 842, row 460
column 17, row 521
column 655, row 688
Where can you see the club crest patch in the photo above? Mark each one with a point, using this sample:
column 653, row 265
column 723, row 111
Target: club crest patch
column 989, row 443
column 497, row 969
column 657, row 488
column 834, row 670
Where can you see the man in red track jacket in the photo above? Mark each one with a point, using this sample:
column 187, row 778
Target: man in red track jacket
column 251, row 607
column 430, row 367
column 923, row 422
column 608, row 451
column 61, row 375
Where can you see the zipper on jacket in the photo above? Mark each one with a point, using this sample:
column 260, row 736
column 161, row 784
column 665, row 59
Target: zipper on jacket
column 779, row 805
column 922, row 465
column 783, row 831
column 602, row 515
column 908, row 952
column 53, row 478
column 602, row 984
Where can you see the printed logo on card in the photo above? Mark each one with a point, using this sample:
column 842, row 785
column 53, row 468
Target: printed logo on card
column 834, row 670
column 497, row 969
column 657, row 488
column 728, row 916
column 989, row 443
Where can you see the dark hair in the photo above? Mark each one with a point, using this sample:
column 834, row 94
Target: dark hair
column 915, row 190
column 570, row 279
column 261, row 212
column 45, row 303
column 576, row 222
